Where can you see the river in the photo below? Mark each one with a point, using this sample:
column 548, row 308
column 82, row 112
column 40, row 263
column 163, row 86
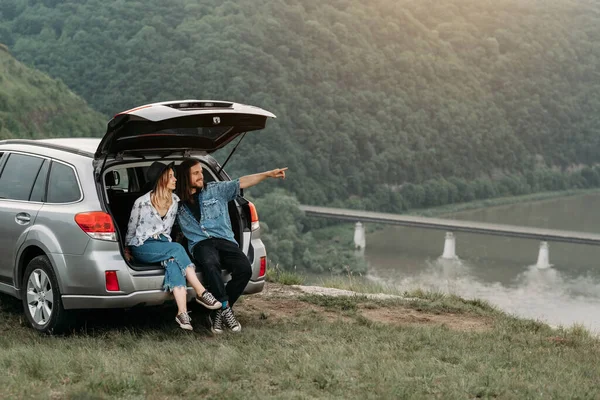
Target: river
column 502, row 270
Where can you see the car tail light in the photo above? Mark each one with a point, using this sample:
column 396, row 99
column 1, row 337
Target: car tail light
column 112, row 282
column 253, row 217
column 263, row 266
column 97, row 224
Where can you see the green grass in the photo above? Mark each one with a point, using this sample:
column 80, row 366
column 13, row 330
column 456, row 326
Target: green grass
column 141, row 354
column 432, row 303
column 438, row 301
column 284, row 277
column 357, row 283
column 335, row 303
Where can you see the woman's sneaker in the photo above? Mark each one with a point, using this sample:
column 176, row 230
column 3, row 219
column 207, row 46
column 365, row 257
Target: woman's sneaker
column 208, row 300
column 184, row 321
column 230, row 321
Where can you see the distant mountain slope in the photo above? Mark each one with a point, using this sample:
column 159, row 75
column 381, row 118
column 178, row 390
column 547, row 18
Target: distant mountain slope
column 370, row 95
column 33, row 105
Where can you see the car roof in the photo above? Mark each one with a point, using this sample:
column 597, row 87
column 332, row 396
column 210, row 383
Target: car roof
column 88, row 145
column 82, row 146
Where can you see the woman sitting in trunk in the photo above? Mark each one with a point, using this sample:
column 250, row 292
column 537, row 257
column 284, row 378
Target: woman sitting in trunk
column 148, row 240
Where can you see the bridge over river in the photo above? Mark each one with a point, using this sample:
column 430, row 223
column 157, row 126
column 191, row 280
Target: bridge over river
column 450, row 226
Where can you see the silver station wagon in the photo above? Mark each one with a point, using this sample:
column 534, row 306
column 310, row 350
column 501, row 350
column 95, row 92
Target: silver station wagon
column 65, row 204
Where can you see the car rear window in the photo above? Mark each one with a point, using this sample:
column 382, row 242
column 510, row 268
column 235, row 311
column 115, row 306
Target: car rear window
column 18, row 176
column 62, row 185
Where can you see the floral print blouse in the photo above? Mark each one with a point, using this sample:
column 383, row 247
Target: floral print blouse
column 145, row 222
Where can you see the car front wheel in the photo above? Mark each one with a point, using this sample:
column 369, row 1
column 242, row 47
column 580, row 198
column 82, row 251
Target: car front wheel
column 41, row 297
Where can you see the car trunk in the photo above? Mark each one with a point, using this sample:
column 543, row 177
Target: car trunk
column 177, row 126
column 120, row 193
column 167, row 132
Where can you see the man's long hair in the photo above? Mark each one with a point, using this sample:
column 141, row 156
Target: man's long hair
column 183, row 180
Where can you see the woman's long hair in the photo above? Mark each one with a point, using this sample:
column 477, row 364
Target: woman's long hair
column 161, row 195
column 183, row 180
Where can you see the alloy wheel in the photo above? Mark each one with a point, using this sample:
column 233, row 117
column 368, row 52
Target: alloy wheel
column 40, row 297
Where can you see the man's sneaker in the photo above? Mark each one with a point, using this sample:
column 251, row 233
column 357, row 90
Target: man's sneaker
column 217, row 323
column 230, row 320
column 184, row 321
column 208, row 301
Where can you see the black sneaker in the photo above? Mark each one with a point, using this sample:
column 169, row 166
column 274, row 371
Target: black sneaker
column 184, row 321
column 217, row 323
column 208, row 301
column 230, row 320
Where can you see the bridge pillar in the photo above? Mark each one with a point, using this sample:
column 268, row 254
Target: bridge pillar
column 360, row 241
column 543, row 260
column 449, row 247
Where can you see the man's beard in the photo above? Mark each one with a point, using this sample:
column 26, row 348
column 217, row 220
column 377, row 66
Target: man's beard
column 197, row 187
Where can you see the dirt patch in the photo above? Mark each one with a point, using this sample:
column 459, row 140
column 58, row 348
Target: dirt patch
column 275, row 290
column 278, row 302
column 262, row 307
column 398, row 315
column 341, row 292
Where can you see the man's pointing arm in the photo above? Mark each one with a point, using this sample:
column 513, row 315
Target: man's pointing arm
column 251, row 180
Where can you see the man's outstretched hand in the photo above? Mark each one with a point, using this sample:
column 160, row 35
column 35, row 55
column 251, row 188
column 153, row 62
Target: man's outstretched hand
column 251, row 180
column 277, row 173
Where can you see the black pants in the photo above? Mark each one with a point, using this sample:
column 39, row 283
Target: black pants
column 213, row 255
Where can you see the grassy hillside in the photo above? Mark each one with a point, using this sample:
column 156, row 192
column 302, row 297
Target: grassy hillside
column 369, row 95
column 33, row 105
column 298, row 346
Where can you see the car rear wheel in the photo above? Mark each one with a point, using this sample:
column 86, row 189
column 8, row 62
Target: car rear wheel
column 41, row 297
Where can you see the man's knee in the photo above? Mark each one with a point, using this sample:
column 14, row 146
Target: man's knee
column 211, row 265
column 206, row 263
column 244, row 270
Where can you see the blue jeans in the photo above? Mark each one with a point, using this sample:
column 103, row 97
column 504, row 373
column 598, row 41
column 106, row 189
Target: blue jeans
column 172, row 257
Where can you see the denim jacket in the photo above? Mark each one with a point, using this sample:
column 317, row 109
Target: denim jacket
column 145, row 222
column 214, row 214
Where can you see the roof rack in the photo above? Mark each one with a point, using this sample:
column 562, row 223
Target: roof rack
column 54, row 146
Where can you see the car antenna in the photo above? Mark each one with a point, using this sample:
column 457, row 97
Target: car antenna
column 230, row 154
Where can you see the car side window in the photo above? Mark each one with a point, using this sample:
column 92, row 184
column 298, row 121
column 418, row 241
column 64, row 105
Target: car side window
column 132, row 179
column 62, row 184
column 38, row 192
column 18, row 176
column 122, row 183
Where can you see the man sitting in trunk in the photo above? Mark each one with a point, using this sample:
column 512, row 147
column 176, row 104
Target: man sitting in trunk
column 203, row 218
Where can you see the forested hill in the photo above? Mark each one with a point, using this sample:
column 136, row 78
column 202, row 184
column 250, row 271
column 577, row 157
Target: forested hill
column 33, row 105
column 369, row 94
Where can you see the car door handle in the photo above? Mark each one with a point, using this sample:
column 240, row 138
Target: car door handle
column 23, row 218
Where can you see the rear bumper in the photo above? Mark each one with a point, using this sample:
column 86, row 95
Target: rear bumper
column 255, row 286
column 83, row 279
column 135, row 299
column 147, row 297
